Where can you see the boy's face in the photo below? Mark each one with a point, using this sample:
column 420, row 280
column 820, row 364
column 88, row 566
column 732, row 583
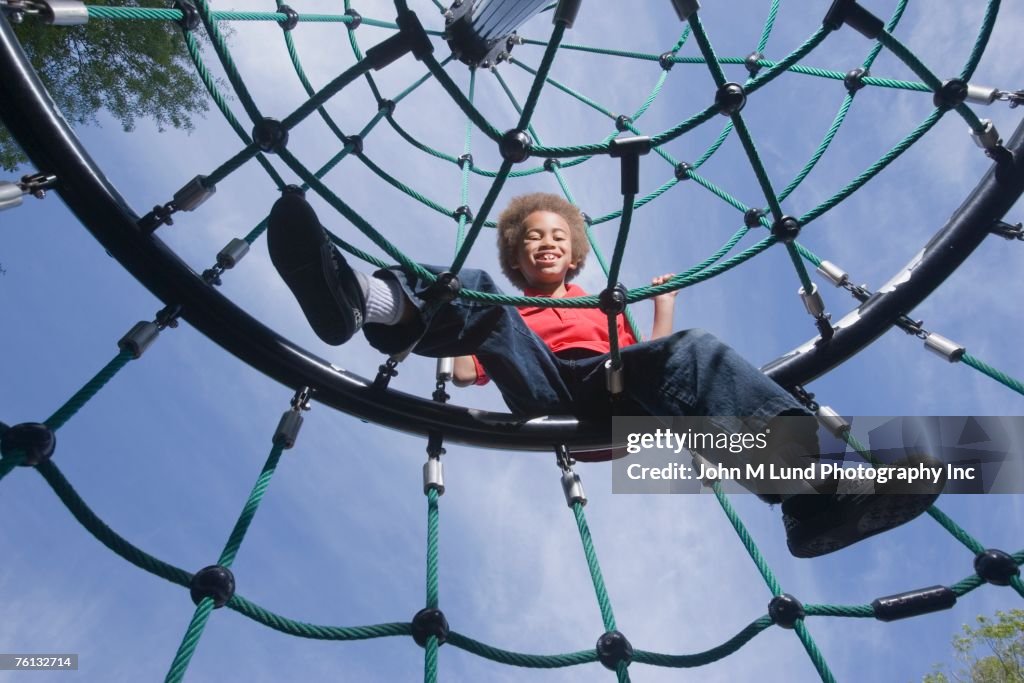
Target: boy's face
column 545, row 253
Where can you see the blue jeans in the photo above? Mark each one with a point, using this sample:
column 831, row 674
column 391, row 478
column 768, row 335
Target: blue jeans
column 689, row 373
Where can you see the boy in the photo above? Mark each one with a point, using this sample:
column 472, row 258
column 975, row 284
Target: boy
column 551, row 360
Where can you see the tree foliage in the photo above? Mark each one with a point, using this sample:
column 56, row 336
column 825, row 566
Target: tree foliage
column 1001, row 641
column 131, row 69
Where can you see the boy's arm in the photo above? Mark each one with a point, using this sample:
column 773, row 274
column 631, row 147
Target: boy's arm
column 664, row 309
column 464, row 371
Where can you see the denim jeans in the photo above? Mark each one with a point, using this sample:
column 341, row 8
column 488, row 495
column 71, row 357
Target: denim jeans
column 689, row 373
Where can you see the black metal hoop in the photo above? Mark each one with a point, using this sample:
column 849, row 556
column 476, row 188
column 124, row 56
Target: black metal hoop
column 32, row 117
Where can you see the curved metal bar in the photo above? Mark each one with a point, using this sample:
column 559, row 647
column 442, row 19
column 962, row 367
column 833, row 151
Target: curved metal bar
column 31, row 115
column 995, row 193
column 33, row 118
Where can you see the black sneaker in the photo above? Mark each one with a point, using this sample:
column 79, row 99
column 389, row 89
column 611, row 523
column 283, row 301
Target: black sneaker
column 820, row 524
column 316, row 272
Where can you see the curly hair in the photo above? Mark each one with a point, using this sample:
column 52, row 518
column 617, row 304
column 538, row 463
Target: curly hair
column 512, row 225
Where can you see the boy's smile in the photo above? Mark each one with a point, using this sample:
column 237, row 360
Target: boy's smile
column 545, row 255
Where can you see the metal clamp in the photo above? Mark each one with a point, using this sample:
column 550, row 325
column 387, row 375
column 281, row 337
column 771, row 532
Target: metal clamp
column 433, row 476
column 946, row 348
column 834, row 273
column 36, row 184
column 988, row 139
column 63, row 12
column 445, row 369
column 833, row 421
column 614, row 378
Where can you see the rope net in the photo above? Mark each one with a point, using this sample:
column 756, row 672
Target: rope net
column 657, row 155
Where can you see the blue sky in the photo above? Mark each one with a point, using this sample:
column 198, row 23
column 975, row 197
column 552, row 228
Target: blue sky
column 167, row 453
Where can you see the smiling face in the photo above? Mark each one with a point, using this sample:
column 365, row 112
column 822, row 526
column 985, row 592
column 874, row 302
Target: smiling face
column 541, row 222
column 545, row 255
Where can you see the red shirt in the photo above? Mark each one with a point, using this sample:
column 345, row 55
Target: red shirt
column 568, row 328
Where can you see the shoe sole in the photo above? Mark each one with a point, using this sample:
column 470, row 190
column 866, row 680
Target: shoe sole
column 303, row 255
column 821, row 536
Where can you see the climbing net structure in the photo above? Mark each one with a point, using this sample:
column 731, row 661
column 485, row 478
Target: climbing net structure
column 482, row 36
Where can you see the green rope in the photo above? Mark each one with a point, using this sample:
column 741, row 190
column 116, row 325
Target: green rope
column 74, row 404
column 607, row 616
column 190, row 641
column 519, row 659
column 745, row 538
column 432, row 549
column 153, row 13
column 467, row 148
column 211, row 87
column 430, row 660
column 713, row 655
column 103, row 533
column 813, row 652
column 227, row 557
column 998, row 376
column 8, row 463
column 915, row 64
column 91, row 388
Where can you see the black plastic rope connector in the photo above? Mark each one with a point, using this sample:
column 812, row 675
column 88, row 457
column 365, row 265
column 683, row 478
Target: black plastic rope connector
column 354, row 141
column 622, row 123
column 429, row 622
column 357, row 19
column 463, row 210
column 628, row 150
column 287, row 432
column 586, row 218
column 854, row 79
column 612, row 648
column 996, row 567
column 442, row 290
column 730, row 98
column 189, row 15
column 168, row 317
column 682, row 171
column 752, row 218
column 385, row 373
column 35, row 440
column 410, row 38
column 785, row 610
column 786, row 229
column 566, row 12
column 466, row 158
column 515, row 146
column 292, row 19
column 293, row 189
column 665, row 60
column 215, row 582
column 684, row 8
column 270, row 135
column 751, row 62
column 612, row 300
column 551, row 164
column 853, row 15
column 160, row 215
column 825, row 330
column 387, row 106
column 913, row 603
column 952, row 94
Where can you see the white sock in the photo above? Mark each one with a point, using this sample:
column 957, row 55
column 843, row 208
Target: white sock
column 385, row 300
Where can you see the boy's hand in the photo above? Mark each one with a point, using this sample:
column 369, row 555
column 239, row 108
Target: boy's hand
column 664, row 307
column 667, row 297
